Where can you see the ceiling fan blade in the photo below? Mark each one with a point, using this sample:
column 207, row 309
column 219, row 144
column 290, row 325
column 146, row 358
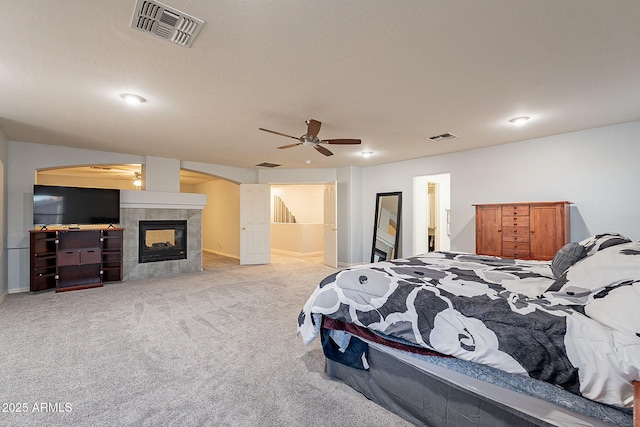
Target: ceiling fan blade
column 278, row 133
column 291, row 145
column 323, row 150
column 341, row 141
column 313, row 127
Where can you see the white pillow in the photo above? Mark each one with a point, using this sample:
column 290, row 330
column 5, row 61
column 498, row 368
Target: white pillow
column 617, row 307
column 598, row 242
column 606, row 267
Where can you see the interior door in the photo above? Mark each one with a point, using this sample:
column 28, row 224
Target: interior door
column 330, row 225
column 255, row 235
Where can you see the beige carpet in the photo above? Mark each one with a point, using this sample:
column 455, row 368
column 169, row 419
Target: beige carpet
column 214, row 348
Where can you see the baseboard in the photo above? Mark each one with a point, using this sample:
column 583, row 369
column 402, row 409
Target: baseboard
column 19, row 290
column 211, row 251
column 296, row 254
column 2, row 297
column 347, row 265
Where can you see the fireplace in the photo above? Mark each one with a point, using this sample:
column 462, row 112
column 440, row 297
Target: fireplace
column 162, row 240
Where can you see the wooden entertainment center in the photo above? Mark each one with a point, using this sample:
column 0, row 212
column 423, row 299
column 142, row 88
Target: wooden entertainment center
column 70, row 259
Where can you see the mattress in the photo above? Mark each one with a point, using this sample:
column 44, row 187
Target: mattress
column 433, row 391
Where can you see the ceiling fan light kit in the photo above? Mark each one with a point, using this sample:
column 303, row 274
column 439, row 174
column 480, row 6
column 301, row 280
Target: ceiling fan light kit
column 310, row 139
column 519, row 121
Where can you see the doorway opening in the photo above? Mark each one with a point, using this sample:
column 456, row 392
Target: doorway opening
column 431, row 213
column 297, row 218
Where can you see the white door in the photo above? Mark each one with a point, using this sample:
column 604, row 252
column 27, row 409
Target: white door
column 330, row 225
column 255, row 235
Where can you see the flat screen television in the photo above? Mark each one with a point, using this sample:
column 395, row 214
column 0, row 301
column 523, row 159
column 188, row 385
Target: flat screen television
column 56, row 205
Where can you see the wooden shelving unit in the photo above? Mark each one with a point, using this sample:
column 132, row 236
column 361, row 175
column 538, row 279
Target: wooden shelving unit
column 44, row 260
column 112, row 255
column 67, row 260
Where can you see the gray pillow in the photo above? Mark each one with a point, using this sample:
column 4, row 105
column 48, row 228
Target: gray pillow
column 568, row 255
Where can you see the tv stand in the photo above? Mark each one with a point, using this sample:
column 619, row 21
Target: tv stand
column 73, row 259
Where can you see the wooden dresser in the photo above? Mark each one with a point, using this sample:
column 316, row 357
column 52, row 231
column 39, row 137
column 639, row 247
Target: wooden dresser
column 533, row 230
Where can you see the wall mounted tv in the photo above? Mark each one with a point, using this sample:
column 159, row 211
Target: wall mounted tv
column 55, row 205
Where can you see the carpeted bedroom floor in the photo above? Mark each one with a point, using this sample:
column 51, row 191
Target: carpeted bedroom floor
column 213, row 348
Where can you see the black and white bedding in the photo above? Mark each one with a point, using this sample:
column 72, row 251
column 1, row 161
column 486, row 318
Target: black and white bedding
column 576, row 325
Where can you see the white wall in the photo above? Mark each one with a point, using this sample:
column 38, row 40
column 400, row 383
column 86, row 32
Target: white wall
column 4, row 156
column 160, row 174
column 349, row 189
column 221, row 217
column 296, row 176
column 304, row 201
column 596, row 169
column 230, row 173
column 297, row 239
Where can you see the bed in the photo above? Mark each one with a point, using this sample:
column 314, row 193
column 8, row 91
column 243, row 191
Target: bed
column 458, row 339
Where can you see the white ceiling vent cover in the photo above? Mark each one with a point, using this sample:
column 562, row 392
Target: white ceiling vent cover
column 443, row 137
column 165, row 22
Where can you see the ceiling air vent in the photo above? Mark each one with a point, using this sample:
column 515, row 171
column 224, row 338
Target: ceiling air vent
column 165, row 22
column 267, row 165
column 443, row 137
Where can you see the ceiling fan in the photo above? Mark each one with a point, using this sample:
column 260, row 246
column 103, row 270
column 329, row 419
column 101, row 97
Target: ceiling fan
column 310, row 139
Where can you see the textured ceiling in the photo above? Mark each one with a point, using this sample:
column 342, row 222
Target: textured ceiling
column 392, row 73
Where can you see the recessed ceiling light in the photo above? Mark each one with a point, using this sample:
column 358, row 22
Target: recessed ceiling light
column 132, row 99
column 308, row 162
column 366, row 153
column 519, row 121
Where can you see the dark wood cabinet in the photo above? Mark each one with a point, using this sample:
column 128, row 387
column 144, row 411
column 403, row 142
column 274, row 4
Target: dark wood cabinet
column 534, row 230
column 44, row 260
column 75, row 259
column 112, row 255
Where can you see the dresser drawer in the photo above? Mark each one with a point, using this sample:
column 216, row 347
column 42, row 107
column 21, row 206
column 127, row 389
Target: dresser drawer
column 515, row 245
column 516, row 237
column 514, row 231
column 519, row 210
column 69, row 257
column 515, row 221
column 516, row 253
column 90, row 256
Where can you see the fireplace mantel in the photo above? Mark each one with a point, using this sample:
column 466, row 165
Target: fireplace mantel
column 161, row 200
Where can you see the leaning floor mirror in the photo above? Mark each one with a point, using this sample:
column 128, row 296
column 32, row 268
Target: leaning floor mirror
column 386, row 229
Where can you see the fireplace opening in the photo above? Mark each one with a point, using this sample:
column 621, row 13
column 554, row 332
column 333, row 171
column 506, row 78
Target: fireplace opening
column 162, row 240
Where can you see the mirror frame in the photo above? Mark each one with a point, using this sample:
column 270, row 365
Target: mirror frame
column 396, row 245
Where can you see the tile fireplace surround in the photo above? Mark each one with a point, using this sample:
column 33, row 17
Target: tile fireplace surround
column 136, row 206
